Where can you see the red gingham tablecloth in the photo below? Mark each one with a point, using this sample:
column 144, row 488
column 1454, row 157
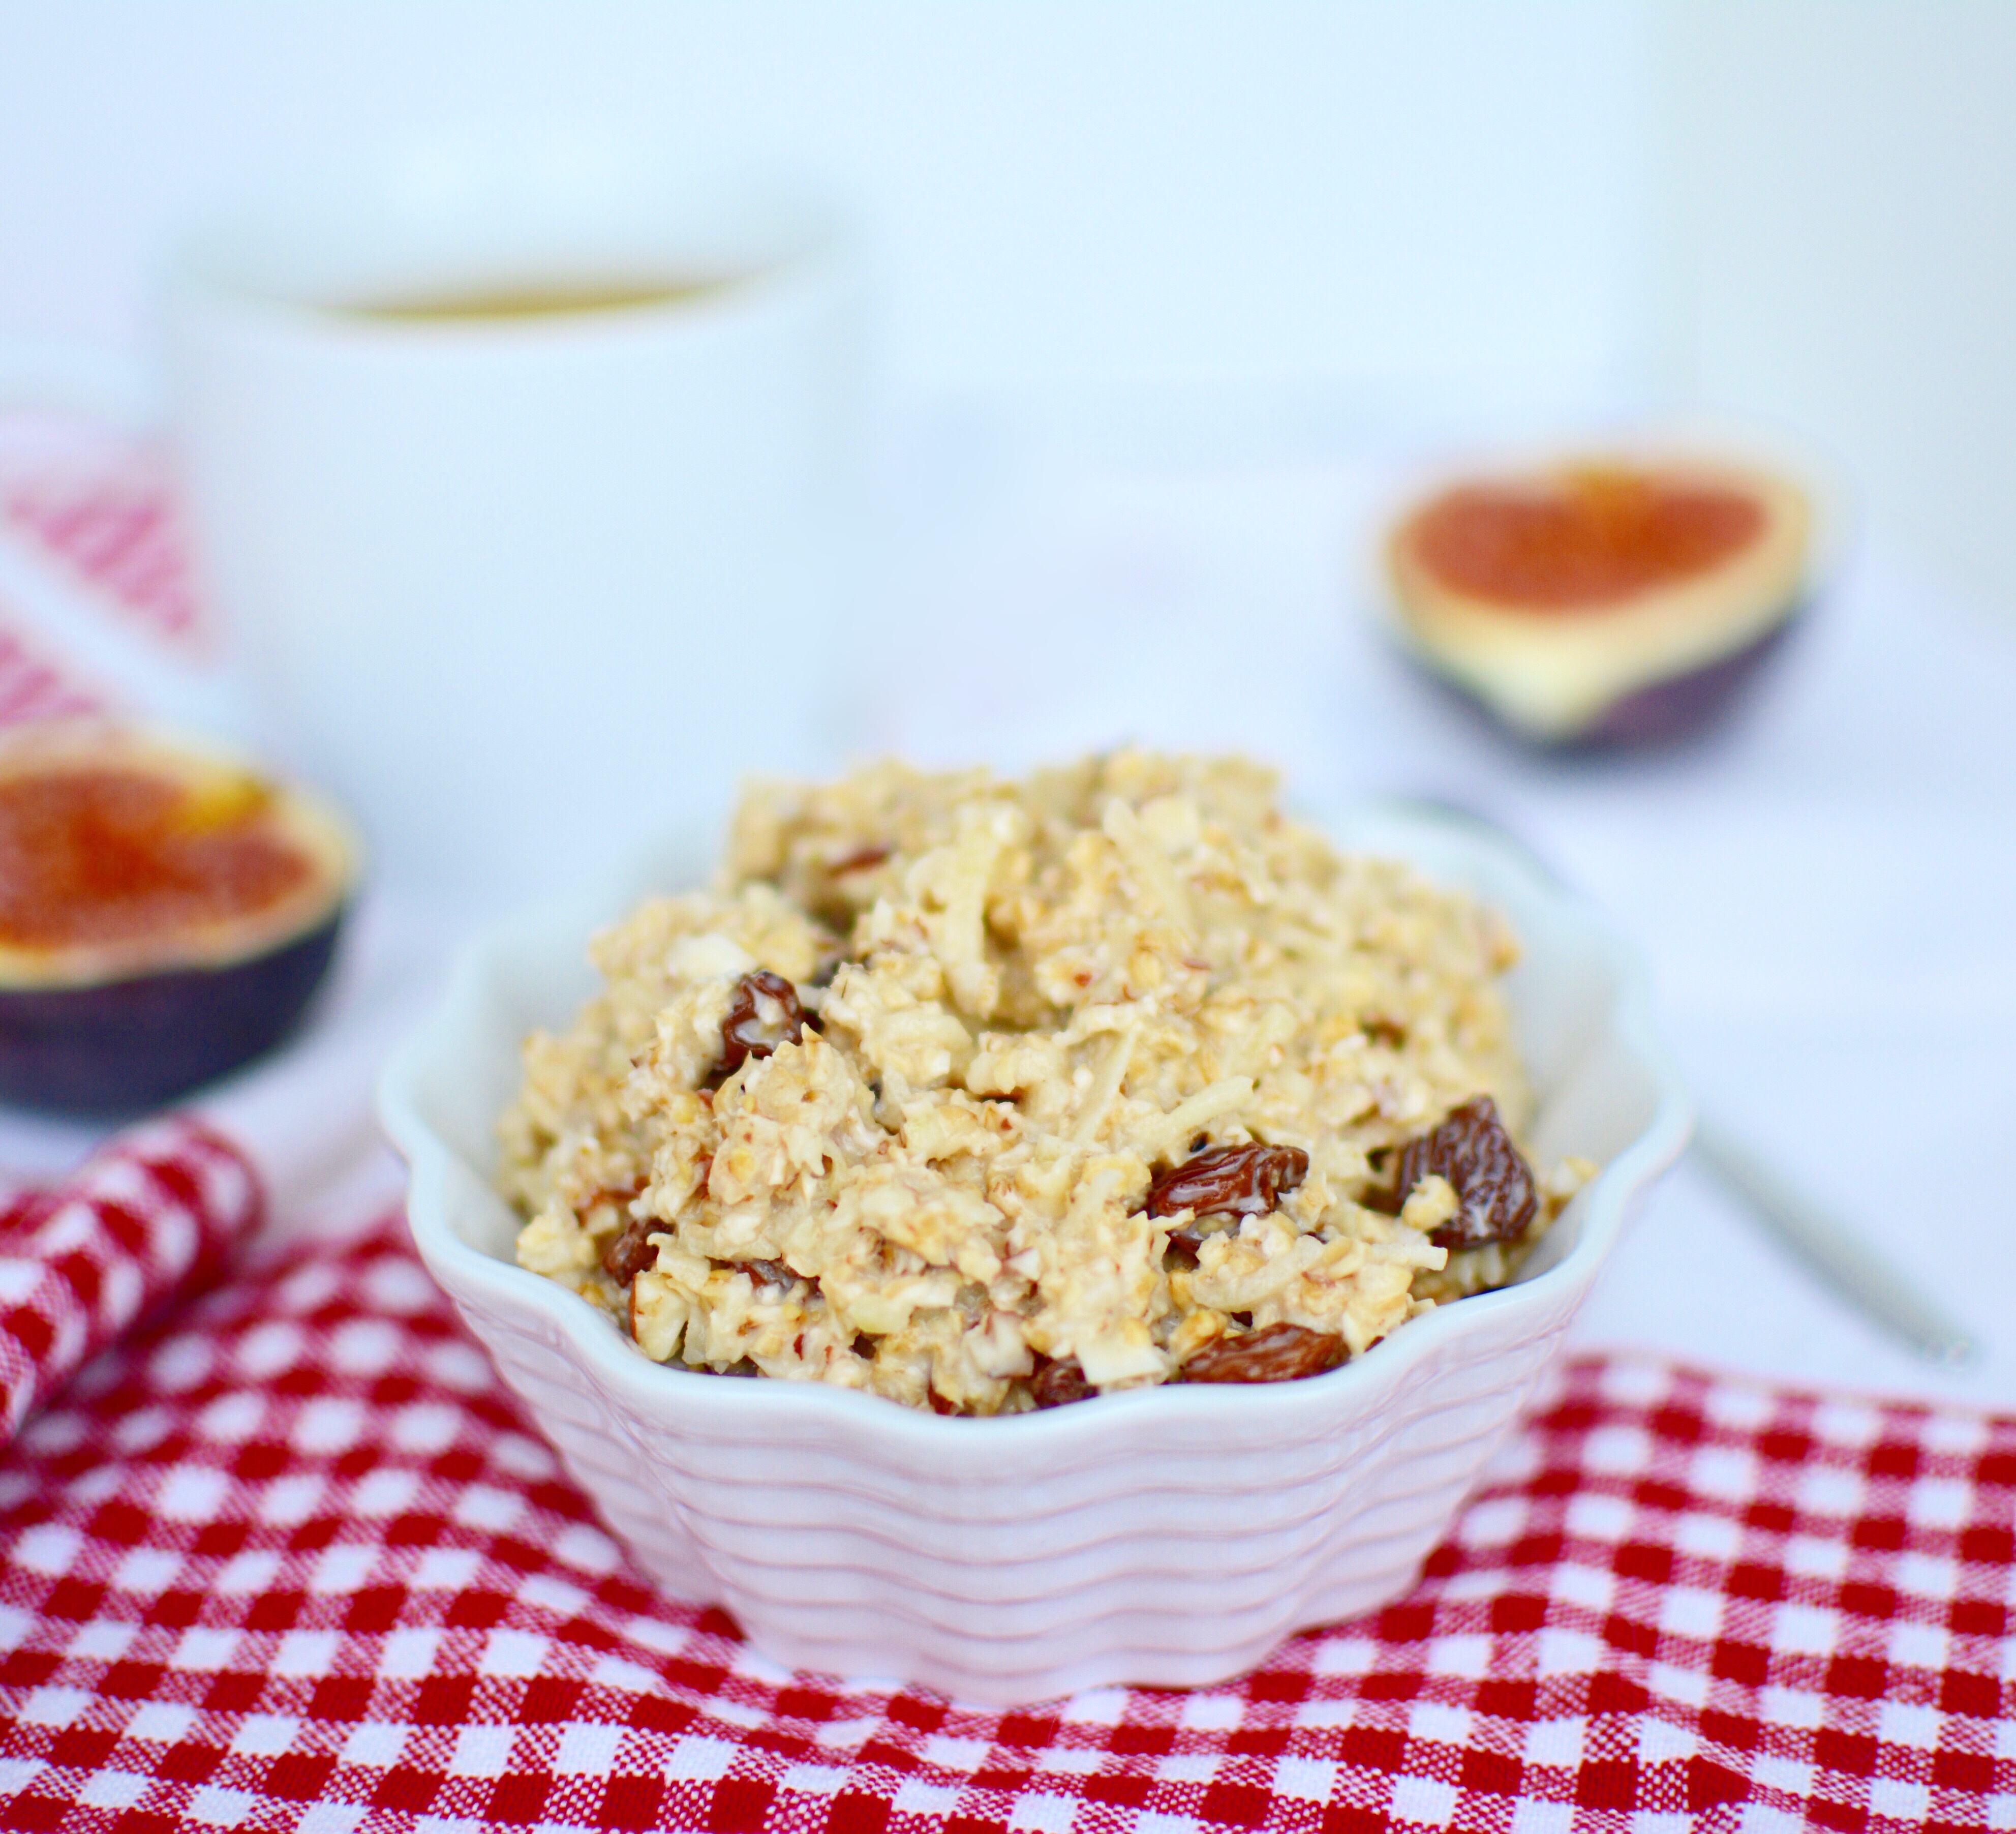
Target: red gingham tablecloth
column 95, row 505
column 292, row 1558
column 80, row 1263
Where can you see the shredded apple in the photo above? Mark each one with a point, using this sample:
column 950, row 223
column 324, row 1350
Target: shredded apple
column 985, row 1095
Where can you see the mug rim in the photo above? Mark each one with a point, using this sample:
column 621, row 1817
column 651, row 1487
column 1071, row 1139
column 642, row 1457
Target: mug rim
column 753, row 237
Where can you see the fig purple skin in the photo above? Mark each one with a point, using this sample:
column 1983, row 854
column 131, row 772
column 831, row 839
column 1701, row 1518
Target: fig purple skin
column 1682, row 706
column 122, row 1047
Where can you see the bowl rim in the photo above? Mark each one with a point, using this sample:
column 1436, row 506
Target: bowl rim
column 668, row 1393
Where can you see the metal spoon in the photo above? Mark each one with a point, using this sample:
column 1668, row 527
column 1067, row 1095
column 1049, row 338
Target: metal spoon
column 1830, row 1249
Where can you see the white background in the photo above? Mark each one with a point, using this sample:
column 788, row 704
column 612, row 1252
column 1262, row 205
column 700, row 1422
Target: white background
column 1344, row 210
column 1370, row 195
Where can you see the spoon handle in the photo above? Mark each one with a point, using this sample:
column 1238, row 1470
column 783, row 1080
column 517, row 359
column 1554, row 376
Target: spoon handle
column 1829, row 1248
column 1826, row 1246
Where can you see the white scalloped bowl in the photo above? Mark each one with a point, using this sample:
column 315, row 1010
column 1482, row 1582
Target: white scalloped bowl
column 1169, row 1536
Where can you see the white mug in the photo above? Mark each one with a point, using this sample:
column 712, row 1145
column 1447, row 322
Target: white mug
column 518, row 478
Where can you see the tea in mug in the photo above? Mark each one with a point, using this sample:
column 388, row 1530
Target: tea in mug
column 541, row 300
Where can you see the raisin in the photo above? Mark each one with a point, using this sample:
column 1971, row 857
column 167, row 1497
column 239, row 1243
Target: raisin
column 1494, row 1186
column 1057, row 1384
column 743, row 1033
column 1229, row 1181
column 1185, row 1243
column 941, row 1406
column 860, row 860
column 628, row 1253
column 769, row 1273
column 613, row 1194
column 1279, row 1352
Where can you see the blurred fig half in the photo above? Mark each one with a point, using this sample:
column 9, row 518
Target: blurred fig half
column 1602, row 601
column 165, row 916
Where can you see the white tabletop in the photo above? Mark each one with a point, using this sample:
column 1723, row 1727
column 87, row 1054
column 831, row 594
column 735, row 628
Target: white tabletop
column 1825, row 889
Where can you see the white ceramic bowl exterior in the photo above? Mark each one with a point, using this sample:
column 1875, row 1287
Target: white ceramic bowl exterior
column 1169, row 1536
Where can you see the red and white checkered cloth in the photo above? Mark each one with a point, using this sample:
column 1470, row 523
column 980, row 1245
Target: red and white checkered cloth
column 93, row 509
column 97, row 506
column 79, row 1263
column 33, row 686
column 294, row 1558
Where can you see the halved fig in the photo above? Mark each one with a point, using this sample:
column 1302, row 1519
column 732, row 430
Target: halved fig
column 1602, row 601
column 165, row 916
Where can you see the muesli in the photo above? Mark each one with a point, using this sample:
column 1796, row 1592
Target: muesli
column 988, row 1095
